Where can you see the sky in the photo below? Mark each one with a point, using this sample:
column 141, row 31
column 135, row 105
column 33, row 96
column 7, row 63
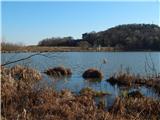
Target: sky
column 30, row 22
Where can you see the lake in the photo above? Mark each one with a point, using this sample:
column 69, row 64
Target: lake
column 133, row 62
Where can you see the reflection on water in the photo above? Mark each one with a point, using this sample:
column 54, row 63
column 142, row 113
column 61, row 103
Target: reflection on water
column 80, row 61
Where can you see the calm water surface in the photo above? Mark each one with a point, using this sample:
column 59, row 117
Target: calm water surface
column 80, row 61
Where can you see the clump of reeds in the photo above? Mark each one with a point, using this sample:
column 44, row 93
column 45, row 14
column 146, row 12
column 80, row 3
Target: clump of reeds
column 58, row 71
column 135, row 94
column 117, row 107
column 94, row 93
column 143, row 107
column 92, row 73
column 24, row 73
column 154, row 83
column 16, row 84
column 9, row 47
column 8, row 84
column 124, row 78
column 121, row 79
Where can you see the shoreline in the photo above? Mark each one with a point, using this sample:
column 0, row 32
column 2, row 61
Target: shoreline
column 67, row 49
column 66, row 104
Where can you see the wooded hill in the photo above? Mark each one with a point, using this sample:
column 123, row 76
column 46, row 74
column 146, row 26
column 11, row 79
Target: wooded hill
column 123, row 37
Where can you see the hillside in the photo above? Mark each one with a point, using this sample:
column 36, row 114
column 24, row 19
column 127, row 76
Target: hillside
column 128, row 37
column 122, row 37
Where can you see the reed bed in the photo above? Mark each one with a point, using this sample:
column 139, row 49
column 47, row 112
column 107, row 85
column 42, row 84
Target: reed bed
column 144, row 108
column 127, row 79
column 21, row 102
column 93, row 93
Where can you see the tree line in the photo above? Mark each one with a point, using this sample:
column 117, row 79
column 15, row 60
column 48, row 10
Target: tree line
column 124, row 37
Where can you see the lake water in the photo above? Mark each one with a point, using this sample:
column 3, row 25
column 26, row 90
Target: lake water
column 80, row 61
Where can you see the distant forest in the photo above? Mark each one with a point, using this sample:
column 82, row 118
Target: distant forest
column 123, row 37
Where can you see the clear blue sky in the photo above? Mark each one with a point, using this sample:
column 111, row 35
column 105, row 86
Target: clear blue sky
column 30, row 22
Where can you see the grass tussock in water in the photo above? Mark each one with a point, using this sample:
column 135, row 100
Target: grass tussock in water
column 127, row 79
column 92, row 73
column 58, row 71
column 94, row 93
column 20, row 101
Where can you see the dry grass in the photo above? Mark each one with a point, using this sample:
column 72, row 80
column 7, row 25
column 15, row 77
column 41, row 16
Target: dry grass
column 145, row 108
column 154, row 83
column 52, row 49
column 92, row 73
column 89, row 91
column 58, row 71
column 25, row 103
column 121, row 79
column 135, row 94
column 127, row 79
column 21, row 102
column 9, row 47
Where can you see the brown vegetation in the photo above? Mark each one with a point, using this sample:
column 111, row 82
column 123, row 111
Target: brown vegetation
column 154, row 83
column 55, row 49
column 144, row 108
column 121, row 79
column 92, row 73
column 126, row 79
column 135, row 94
column 20, row 101
column 10, row 47
column 93, row 93
column 59, row 71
